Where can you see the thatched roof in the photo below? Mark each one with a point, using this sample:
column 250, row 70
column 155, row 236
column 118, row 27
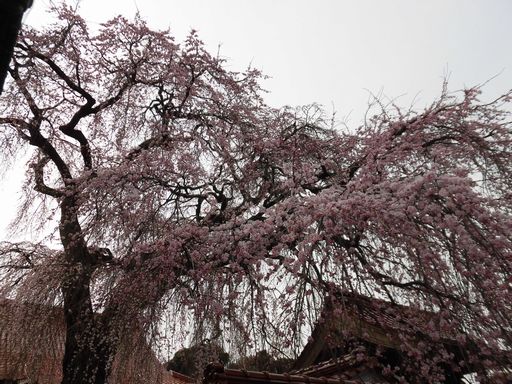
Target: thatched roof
column 32, row 340
column 29, row 351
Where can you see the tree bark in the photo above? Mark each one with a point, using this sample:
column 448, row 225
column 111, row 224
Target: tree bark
column 88, row 348
column 87, row 354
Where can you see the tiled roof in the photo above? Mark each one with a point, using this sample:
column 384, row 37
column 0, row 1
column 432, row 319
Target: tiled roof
column 334, row 367
column 384, row 313
column 376, row 321
column 217, row 374
column 173, row 377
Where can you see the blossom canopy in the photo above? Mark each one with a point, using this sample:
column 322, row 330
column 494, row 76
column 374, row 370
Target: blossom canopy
column 174, row 184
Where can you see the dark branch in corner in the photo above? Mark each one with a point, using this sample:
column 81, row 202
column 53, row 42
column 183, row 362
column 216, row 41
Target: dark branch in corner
column 11, row 14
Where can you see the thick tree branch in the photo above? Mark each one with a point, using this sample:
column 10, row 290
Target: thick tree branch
column 85, row 110
column 36, row 138
column 39, row 178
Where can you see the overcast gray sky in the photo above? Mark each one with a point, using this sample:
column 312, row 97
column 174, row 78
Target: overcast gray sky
column 332, row 51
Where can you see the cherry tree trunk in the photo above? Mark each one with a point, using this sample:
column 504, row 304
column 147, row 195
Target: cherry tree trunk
column 87, row 353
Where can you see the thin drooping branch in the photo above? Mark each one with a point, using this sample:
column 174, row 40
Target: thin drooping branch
column 202, row 197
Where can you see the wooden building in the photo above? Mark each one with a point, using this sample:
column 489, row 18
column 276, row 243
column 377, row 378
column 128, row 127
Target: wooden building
column 377, row 341
column 365, row 340
column 217, row 374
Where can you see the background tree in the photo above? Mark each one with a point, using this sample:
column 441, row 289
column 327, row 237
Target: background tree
column 192, row 361
column 175, row 186
column 264, row 361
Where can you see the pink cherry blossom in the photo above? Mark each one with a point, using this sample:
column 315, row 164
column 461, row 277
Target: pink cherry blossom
column 176, row 189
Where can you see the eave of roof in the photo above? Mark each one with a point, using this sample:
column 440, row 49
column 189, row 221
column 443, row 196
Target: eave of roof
column 216, row 373
column 181, row 376
column 334, row 366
